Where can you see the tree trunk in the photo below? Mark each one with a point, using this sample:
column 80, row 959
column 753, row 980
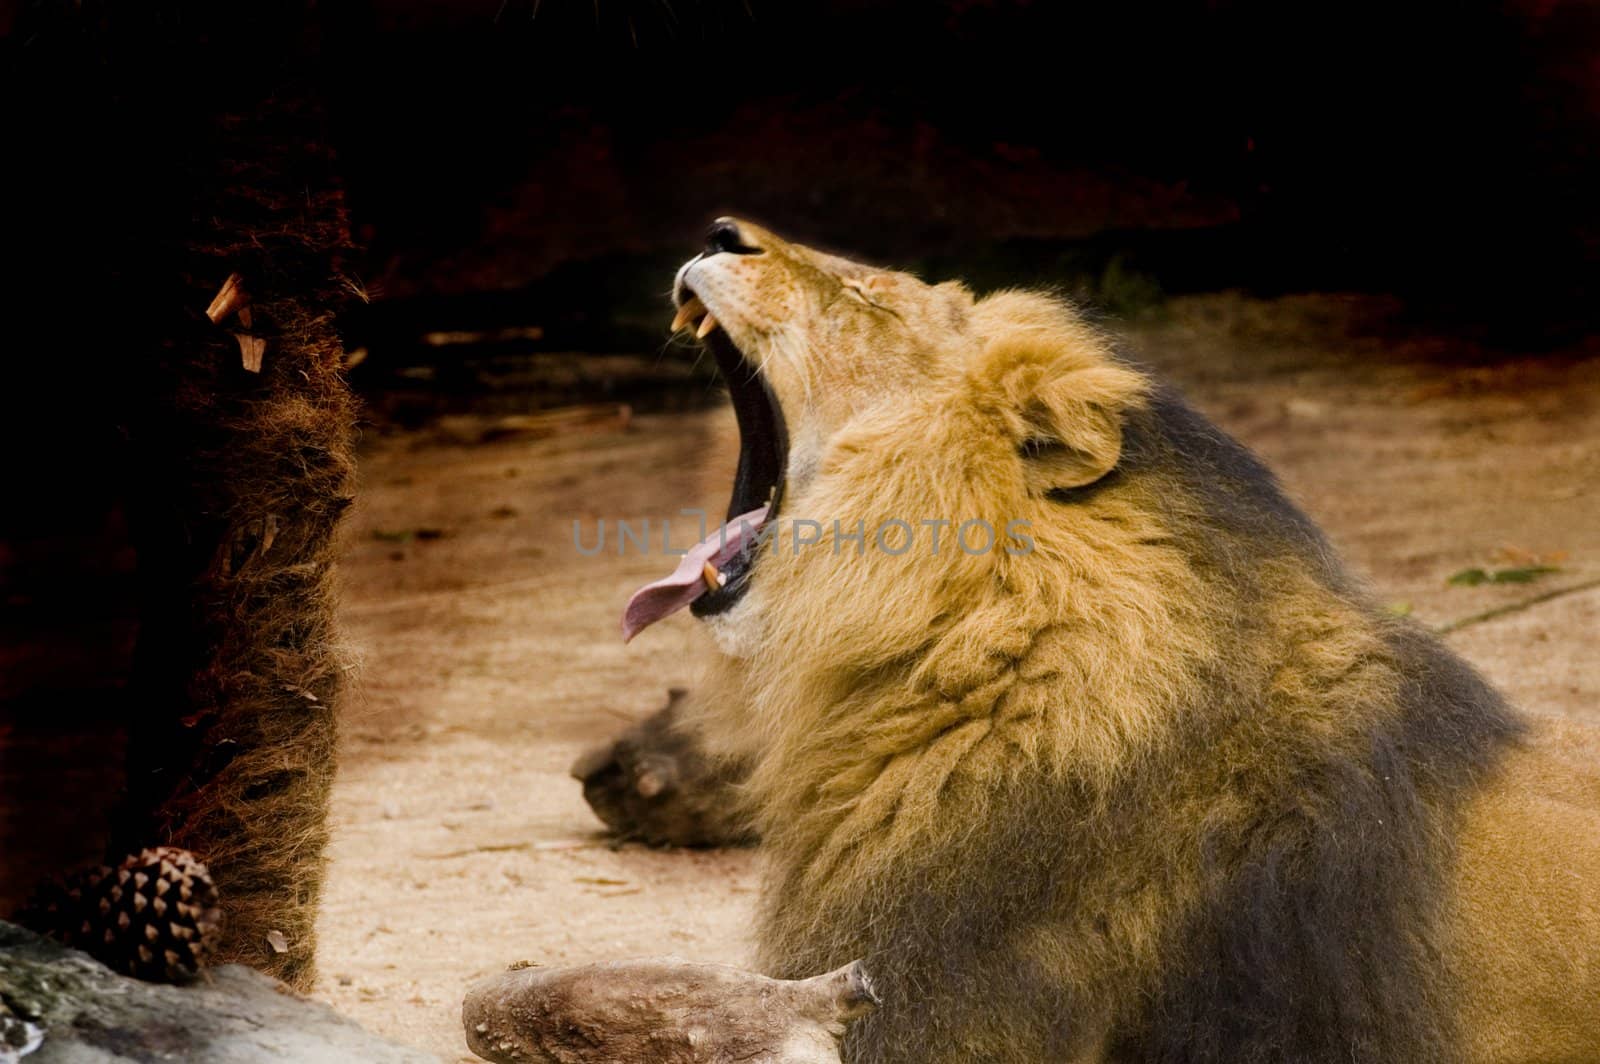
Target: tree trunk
column 164, row 148
column 243, row 476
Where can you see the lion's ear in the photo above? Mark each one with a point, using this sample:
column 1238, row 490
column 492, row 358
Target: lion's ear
column 1069, row 432
column 1055, row 387
column 1067, row 443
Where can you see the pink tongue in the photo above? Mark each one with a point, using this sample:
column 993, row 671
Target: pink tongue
column 665, row 597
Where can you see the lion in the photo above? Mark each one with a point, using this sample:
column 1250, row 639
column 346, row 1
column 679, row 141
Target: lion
column 1065, row 719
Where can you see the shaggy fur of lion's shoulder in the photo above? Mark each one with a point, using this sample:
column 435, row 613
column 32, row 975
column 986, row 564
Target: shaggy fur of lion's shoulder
column 1168, row 787
column 1318, row 940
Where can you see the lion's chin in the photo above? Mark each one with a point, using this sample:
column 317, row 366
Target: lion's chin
column 736, row 630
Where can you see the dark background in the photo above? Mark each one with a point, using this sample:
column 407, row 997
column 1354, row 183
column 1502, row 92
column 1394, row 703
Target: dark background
column 546, row 163
column 1442, row 151
column 512, row 160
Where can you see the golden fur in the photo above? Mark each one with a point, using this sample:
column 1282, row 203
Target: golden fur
column 1165, row 786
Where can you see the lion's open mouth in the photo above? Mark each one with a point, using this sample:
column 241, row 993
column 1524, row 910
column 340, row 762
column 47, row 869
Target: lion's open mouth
column 763, row 456
column 715, row 573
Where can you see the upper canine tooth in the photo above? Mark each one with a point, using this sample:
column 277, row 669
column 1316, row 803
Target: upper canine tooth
column 705, row 327
column 687, row 313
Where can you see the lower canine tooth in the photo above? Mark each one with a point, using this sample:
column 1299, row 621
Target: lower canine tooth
column 705, row 327
column 712, row 578
column 687, row 313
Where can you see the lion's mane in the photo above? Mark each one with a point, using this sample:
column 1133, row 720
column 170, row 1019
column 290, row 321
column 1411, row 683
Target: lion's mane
column 1169, row 786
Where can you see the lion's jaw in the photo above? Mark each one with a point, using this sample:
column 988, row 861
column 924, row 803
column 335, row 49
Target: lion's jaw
column 829, row 337
column 809, row 345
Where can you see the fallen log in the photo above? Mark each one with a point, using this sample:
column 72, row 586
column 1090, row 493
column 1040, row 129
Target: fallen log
column 662, row 1011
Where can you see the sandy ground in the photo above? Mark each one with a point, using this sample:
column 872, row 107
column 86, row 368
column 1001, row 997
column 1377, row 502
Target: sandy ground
column 490, row 655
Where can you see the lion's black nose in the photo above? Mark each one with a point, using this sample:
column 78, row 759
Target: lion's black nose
column 725, row 235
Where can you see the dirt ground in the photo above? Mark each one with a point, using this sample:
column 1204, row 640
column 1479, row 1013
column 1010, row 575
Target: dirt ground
column 490, row 654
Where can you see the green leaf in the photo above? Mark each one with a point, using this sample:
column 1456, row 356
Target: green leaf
column 1527, row 574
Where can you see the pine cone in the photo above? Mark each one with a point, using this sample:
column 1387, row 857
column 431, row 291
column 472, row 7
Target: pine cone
column 153, row 917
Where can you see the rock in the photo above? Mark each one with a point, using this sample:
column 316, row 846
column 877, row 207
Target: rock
column 662, row 1011
column 72, row 1009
